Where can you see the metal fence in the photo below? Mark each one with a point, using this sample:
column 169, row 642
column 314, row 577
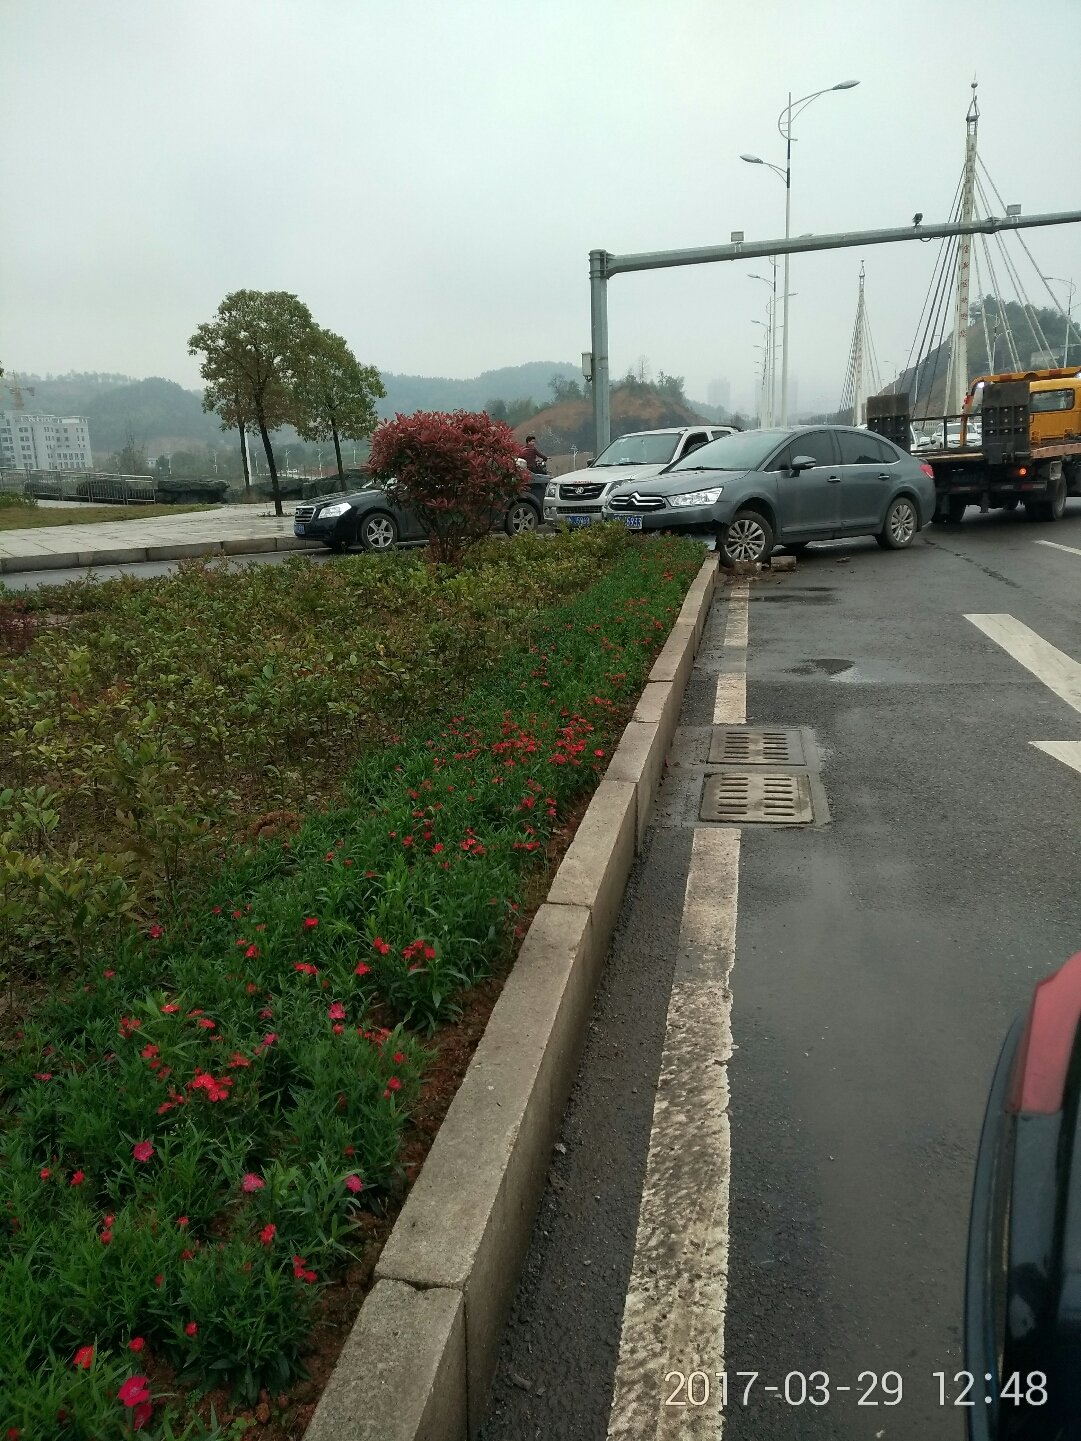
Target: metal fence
column 90, row 486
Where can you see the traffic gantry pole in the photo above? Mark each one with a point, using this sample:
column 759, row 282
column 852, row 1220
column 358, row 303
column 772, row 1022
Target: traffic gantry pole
column 602, row 266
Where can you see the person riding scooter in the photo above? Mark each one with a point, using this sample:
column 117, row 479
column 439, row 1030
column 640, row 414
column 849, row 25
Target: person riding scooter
column 536, row 461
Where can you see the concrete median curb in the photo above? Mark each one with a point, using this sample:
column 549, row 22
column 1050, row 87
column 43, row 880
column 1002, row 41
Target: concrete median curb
column 138, row 554
column 465, row 1227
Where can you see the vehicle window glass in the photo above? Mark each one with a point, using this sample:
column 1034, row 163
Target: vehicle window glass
column 859, row 448
column 694, row 441
column 1044, row 400
column 818, row 444
column 746, row 450
column 643, row 449
column 887, row 453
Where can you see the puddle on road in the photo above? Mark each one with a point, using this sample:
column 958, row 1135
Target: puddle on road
column 850, row 673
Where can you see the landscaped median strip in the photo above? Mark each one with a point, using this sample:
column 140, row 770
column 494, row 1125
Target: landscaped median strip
column 419, row 1362
column 139, row 554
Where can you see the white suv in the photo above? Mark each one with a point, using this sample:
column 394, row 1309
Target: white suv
column 578, row 498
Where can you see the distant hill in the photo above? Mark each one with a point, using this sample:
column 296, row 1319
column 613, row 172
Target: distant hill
column 633, row 406
column 164, row 416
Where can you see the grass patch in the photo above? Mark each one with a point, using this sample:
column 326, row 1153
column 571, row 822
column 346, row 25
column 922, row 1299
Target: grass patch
column 36, row 517
column 266, row 829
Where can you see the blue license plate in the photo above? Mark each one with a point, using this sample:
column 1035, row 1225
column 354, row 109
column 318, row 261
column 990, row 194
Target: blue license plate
column 298, row 528
column 633, row 522
column 576, row 520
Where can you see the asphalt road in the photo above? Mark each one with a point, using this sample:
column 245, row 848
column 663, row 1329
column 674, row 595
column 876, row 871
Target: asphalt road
column 879, row 960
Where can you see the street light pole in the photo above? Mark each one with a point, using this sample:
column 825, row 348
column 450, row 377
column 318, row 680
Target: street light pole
column 791, row 112
column 1069, row 316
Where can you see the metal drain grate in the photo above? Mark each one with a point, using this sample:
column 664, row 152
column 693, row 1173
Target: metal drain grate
column 746, row 746
column 750, row 797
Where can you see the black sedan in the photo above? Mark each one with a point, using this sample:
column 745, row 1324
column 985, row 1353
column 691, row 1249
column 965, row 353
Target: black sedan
column 370, row 519
column 1022, row 1375
column 785, row 487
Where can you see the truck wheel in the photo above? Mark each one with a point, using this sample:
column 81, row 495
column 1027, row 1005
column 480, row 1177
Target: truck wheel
column 1052, row 509
column 747, row 538
column 902, row 522
column 955, row 509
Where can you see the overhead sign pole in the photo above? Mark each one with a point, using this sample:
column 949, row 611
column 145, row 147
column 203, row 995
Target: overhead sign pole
column 602, row 266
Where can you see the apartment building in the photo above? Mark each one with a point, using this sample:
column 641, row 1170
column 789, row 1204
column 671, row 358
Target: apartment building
column 44, row 442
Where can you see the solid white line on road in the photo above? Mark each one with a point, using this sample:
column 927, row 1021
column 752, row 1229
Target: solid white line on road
column 674, row 1315
column 1053, row 667
column 730, row 703
column 1068, row 752
column 673, row 1320
column 1054, row 545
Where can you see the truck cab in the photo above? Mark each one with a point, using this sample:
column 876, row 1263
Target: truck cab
column 1055, row 409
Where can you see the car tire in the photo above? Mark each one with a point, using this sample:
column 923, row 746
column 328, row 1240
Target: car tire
column 521, row 518
column 377, row 531
column 902, row 523
column 747, row 539
column 955, row 509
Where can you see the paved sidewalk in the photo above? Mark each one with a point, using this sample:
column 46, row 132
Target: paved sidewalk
column 228, row 530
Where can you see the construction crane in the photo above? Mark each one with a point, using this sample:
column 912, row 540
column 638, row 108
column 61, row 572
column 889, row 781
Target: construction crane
column 16, row 391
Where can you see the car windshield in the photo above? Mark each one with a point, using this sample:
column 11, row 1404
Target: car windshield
column 648, row 449
column 742, row 451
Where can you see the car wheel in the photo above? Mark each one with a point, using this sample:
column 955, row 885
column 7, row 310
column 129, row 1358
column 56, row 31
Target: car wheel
column 902, row 522
column 522, row 518
column 955, row 509
column 747, row 538
column 377, row 531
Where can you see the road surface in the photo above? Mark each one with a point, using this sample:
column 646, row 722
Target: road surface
column 766, row 1162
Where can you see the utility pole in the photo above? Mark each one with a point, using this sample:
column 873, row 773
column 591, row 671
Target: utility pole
column 858, row 387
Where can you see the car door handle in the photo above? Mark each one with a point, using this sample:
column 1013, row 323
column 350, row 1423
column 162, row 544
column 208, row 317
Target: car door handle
column 834, row 480
column 883, row 475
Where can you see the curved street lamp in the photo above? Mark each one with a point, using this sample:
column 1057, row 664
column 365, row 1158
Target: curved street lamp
column 785, row 120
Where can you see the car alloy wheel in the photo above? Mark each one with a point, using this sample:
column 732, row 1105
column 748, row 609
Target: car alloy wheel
column 521, row 519
column 901, row 523
column 747, row 539
column 378, row 532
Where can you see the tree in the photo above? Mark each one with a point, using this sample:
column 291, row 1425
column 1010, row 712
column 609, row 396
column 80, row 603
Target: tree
column 456, row 472
column 254, row 353
column 335, row 395
column 563, row 388
column 131, row 459
column 671, row 385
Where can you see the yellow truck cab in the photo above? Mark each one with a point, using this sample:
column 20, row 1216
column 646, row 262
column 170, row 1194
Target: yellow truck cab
column 1055, row 408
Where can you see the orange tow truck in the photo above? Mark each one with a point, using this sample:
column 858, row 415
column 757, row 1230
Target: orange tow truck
column 1016, row 442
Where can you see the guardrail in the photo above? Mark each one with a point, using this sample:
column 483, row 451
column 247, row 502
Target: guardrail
column 94, row 487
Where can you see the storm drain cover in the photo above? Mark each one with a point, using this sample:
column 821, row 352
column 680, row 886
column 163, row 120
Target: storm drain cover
column 747, row 797
column 746, row 746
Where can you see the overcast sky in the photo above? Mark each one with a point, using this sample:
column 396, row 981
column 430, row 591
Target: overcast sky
column 430, row 175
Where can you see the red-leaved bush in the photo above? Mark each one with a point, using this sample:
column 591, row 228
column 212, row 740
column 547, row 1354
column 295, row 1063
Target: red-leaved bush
column 456, row 472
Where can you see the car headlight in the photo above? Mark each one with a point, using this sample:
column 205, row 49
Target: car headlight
column 552, row 492
column 328, row 512
column 696, row 497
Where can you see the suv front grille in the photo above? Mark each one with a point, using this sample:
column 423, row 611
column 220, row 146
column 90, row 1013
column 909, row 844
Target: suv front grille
column 575, row 509
column 591, row 491
column 304, row 512
column 636, row 502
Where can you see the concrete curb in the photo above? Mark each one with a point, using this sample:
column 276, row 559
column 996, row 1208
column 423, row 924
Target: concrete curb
column 133, row 555
column 430, row 1329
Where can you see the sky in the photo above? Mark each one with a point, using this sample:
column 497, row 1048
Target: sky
column 429, row 177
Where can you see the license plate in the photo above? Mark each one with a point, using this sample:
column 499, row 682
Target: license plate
column 633, row 522
column 576, row 520
column 298, row 528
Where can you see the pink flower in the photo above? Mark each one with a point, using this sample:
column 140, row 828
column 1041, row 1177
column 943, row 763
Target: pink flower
column 252, row 1182
column 206, row 1023
column 362, row 969
column 78, row 1177
column 336, row 1012
column 267, row 1234
column 182, row 1222
column 142, row 1150
column 310, row 922
column 354, row 1184
column 108, row 975
column 43, row 1075
column 83, row 1358
column 191, row 1329
column 136, row 1343
column 135, row 1391
column 156, row 932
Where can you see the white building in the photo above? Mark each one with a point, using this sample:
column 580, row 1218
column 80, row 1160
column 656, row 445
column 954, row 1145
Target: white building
column 719, row 392
column 44, row 442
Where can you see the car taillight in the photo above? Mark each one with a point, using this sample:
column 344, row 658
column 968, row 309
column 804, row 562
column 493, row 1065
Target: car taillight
column 1043, row 1058
column 927, row 471
column 1022, row 470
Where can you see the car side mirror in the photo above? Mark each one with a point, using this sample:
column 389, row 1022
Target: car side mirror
column 589, row 462
column 803, row 462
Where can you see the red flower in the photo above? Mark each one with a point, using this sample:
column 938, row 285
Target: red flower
column 362, row 970
column 170, row 1009
column 182, row 1222
column 78, row 1177
column 310, row 922
column 267, row 1234
column 252, row 952
column 142, row 1150
column 306, row 968
column 187, row 1255
column 44, row 1173
column 191, row 1329
column 354, row 1184
column 252, row 1182
column 337, row 1028
column 399, row 1057
column 106, row 1237
column 236, row 1059
column 216, row 911
column 84, row 1358
column 156, row 932
column 129, row 1025
column 141, row 1415
column 159, row 1280
column 43, row 1075
column 136, row 1343
column 336, row 1012
column 206, row 1023
column 437, row 848
column 394, row 1084
column 108, row 975
column 149, row 1050
column 380, row 945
